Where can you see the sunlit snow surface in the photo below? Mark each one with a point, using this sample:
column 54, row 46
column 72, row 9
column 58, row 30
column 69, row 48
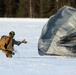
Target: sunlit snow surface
column 26, row 60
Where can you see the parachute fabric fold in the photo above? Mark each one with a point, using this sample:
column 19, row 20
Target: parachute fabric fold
column 55, row 31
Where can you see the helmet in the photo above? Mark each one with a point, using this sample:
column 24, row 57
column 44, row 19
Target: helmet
column 12, row 33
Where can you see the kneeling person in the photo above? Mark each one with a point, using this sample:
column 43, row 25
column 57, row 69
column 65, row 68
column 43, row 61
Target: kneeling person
column 7, row 43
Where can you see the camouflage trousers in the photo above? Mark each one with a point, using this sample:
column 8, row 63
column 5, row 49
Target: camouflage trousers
column 8, row 53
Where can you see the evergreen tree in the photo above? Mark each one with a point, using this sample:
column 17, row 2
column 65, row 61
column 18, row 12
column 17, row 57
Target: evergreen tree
column 23, row 10
column 2, row 8
column 32, row 8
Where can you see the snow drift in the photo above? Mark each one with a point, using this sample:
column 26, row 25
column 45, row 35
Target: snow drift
column 59, row 34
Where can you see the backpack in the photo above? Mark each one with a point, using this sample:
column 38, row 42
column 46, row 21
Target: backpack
column 6, row 43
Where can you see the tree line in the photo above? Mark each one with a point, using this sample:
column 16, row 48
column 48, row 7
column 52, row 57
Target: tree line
column 32, row 8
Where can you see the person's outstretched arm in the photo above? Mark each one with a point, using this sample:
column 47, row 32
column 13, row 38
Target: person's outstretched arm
column 20, row 42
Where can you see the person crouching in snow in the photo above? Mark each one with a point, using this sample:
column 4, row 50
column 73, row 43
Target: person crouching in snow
column 7, row 43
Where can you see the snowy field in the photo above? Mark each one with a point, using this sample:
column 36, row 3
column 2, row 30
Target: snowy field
column 26, row 60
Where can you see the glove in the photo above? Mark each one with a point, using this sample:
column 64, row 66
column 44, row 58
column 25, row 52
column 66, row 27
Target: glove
column 24, row 41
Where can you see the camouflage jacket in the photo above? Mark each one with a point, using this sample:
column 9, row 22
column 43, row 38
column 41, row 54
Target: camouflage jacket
column 7, row 43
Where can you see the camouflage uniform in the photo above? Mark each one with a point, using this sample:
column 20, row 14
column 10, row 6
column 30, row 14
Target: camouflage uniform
column 6, row 45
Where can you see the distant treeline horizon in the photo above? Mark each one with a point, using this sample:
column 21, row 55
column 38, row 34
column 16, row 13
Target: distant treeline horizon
column 32, row 8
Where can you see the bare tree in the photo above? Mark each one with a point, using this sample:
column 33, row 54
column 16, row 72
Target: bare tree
column 41, row 8
column 30, row 3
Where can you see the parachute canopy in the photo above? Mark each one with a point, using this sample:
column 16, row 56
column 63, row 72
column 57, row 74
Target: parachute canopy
column 58, row 35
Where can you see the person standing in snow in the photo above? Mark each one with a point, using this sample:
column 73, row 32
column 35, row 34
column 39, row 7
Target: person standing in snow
column 7, row 44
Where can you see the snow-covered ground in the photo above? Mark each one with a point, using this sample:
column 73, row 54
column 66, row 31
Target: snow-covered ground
column 26, row 60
